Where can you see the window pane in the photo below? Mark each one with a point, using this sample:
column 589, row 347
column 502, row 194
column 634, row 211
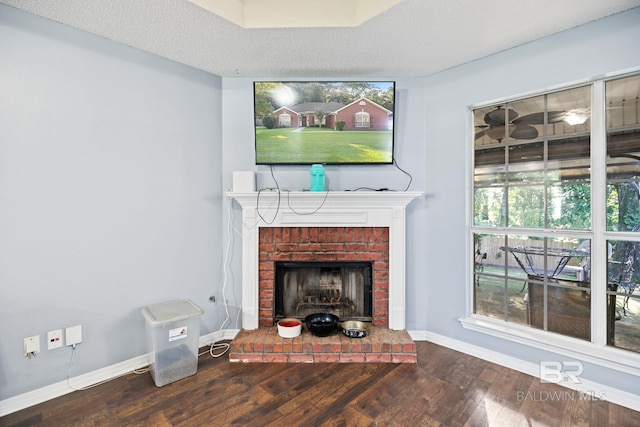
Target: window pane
column 489, row 125
column 623, row 297
column 560, row 309
column 568, row 169
column 623, row 149
column 488, row 208
column 534, row 281
column 532, row 169
column 489, row 187
column 497, row 293
column 526, row 162
column 527, row 125
column 569, row 205
column 555, row 283
column 489, row 295
column 526, row 206
column 624, row 331
column 546, row 258
column 569, row 116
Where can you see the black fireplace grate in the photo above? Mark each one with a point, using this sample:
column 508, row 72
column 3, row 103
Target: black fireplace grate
column 344, row 288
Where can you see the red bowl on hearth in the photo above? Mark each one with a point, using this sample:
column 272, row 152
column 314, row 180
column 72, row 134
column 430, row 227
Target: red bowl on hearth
column 289, row 327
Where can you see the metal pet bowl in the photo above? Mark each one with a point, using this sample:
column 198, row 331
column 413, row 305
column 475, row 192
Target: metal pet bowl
column 321, row 324
column 355, row 329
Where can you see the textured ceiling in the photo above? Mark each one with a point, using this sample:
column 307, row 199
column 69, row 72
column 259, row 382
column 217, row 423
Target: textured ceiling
column 412, row 38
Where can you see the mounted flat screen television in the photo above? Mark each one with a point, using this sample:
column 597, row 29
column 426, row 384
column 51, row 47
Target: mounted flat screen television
column 337, row 122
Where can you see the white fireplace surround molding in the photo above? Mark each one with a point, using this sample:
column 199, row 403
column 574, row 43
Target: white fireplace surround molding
column 323, row 209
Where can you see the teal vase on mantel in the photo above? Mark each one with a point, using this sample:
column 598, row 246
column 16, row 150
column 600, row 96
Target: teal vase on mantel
column 317, row 178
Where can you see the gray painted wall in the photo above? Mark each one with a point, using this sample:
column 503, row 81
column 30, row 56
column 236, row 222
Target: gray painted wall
column 110, row 195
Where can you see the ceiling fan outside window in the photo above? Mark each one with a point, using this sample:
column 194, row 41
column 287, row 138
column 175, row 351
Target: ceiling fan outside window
column 503, row 118
column 563, row 113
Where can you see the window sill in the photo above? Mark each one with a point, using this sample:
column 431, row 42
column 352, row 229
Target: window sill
column 609, row 357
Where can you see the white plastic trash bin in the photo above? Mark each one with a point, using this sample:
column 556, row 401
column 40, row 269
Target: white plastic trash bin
column 173, row 332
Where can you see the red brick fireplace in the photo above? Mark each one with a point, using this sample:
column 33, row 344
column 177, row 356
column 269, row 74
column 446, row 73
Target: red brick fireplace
column 333, row 226
column 323, row 244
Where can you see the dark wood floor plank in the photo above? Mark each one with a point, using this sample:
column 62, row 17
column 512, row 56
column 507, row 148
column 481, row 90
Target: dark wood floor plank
column 546, row 402
column 620, row 416
column 234, row 411
column 419, row 399
column 303, row 416
column 444, row 388
column 84, row 405
column 577, row 414
column 461, row 403
column 501, row 404
column 157, row 420
column 496, row 415
column 351, row 383
column 298, row 376
column 288, row 390
column 334, row 393
column 225, row 403
column 413, row 408
column 505, row 383
column 348, row 417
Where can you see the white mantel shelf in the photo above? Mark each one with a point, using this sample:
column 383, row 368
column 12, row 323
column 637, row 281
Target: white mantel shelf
column 324, row 209
column 330, row 198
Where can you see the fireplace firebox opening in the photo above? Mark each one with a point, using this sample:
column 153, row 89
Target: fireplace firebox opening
column 344, row 288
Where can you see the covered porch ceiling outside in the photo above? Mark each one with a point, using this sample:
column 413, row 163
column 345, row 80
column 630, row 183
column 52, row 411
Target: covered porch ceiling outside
column 517, row 130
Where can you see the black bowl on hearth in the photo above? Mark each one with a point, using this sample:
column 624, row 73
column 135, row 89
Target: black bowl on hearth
column 321, row 324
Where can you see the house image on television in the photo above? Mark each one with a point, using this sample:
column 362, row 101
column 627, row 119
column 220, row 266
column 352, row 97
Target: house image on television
column 362, row 114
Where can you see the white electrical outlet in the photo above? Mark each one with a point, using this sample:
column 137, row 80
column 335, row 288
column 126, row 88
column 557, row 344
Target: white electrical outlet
column 31, row 346
column 54, row 339
column 73, row 335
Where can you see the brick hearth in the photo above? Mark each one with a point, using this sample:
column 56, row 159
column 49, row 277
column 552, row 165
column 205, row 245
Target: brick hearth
column 380, row 345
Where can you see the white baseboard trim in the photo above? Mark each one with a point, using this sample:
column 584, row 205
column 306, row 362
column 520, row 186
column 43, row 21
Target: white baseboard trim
column 34, row 397
column 588, row 388
column 212, row 338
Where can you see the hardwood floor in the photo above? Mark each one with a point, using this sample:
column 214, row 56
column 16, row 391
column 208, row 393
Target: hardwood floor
column 445, row 388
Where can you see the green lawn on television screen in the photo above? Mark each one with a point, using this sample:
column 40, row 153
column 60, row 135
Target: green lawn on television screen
column 322, row 145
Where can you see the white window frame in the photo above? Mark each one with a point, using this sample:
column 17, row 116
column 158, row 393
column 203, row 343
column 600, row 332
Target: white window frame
column 285, row 123
column 363, row 123
column 596, row 350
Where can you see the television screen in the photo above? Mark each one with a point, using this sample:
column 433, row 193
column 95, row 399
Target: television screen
column 345, row 122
